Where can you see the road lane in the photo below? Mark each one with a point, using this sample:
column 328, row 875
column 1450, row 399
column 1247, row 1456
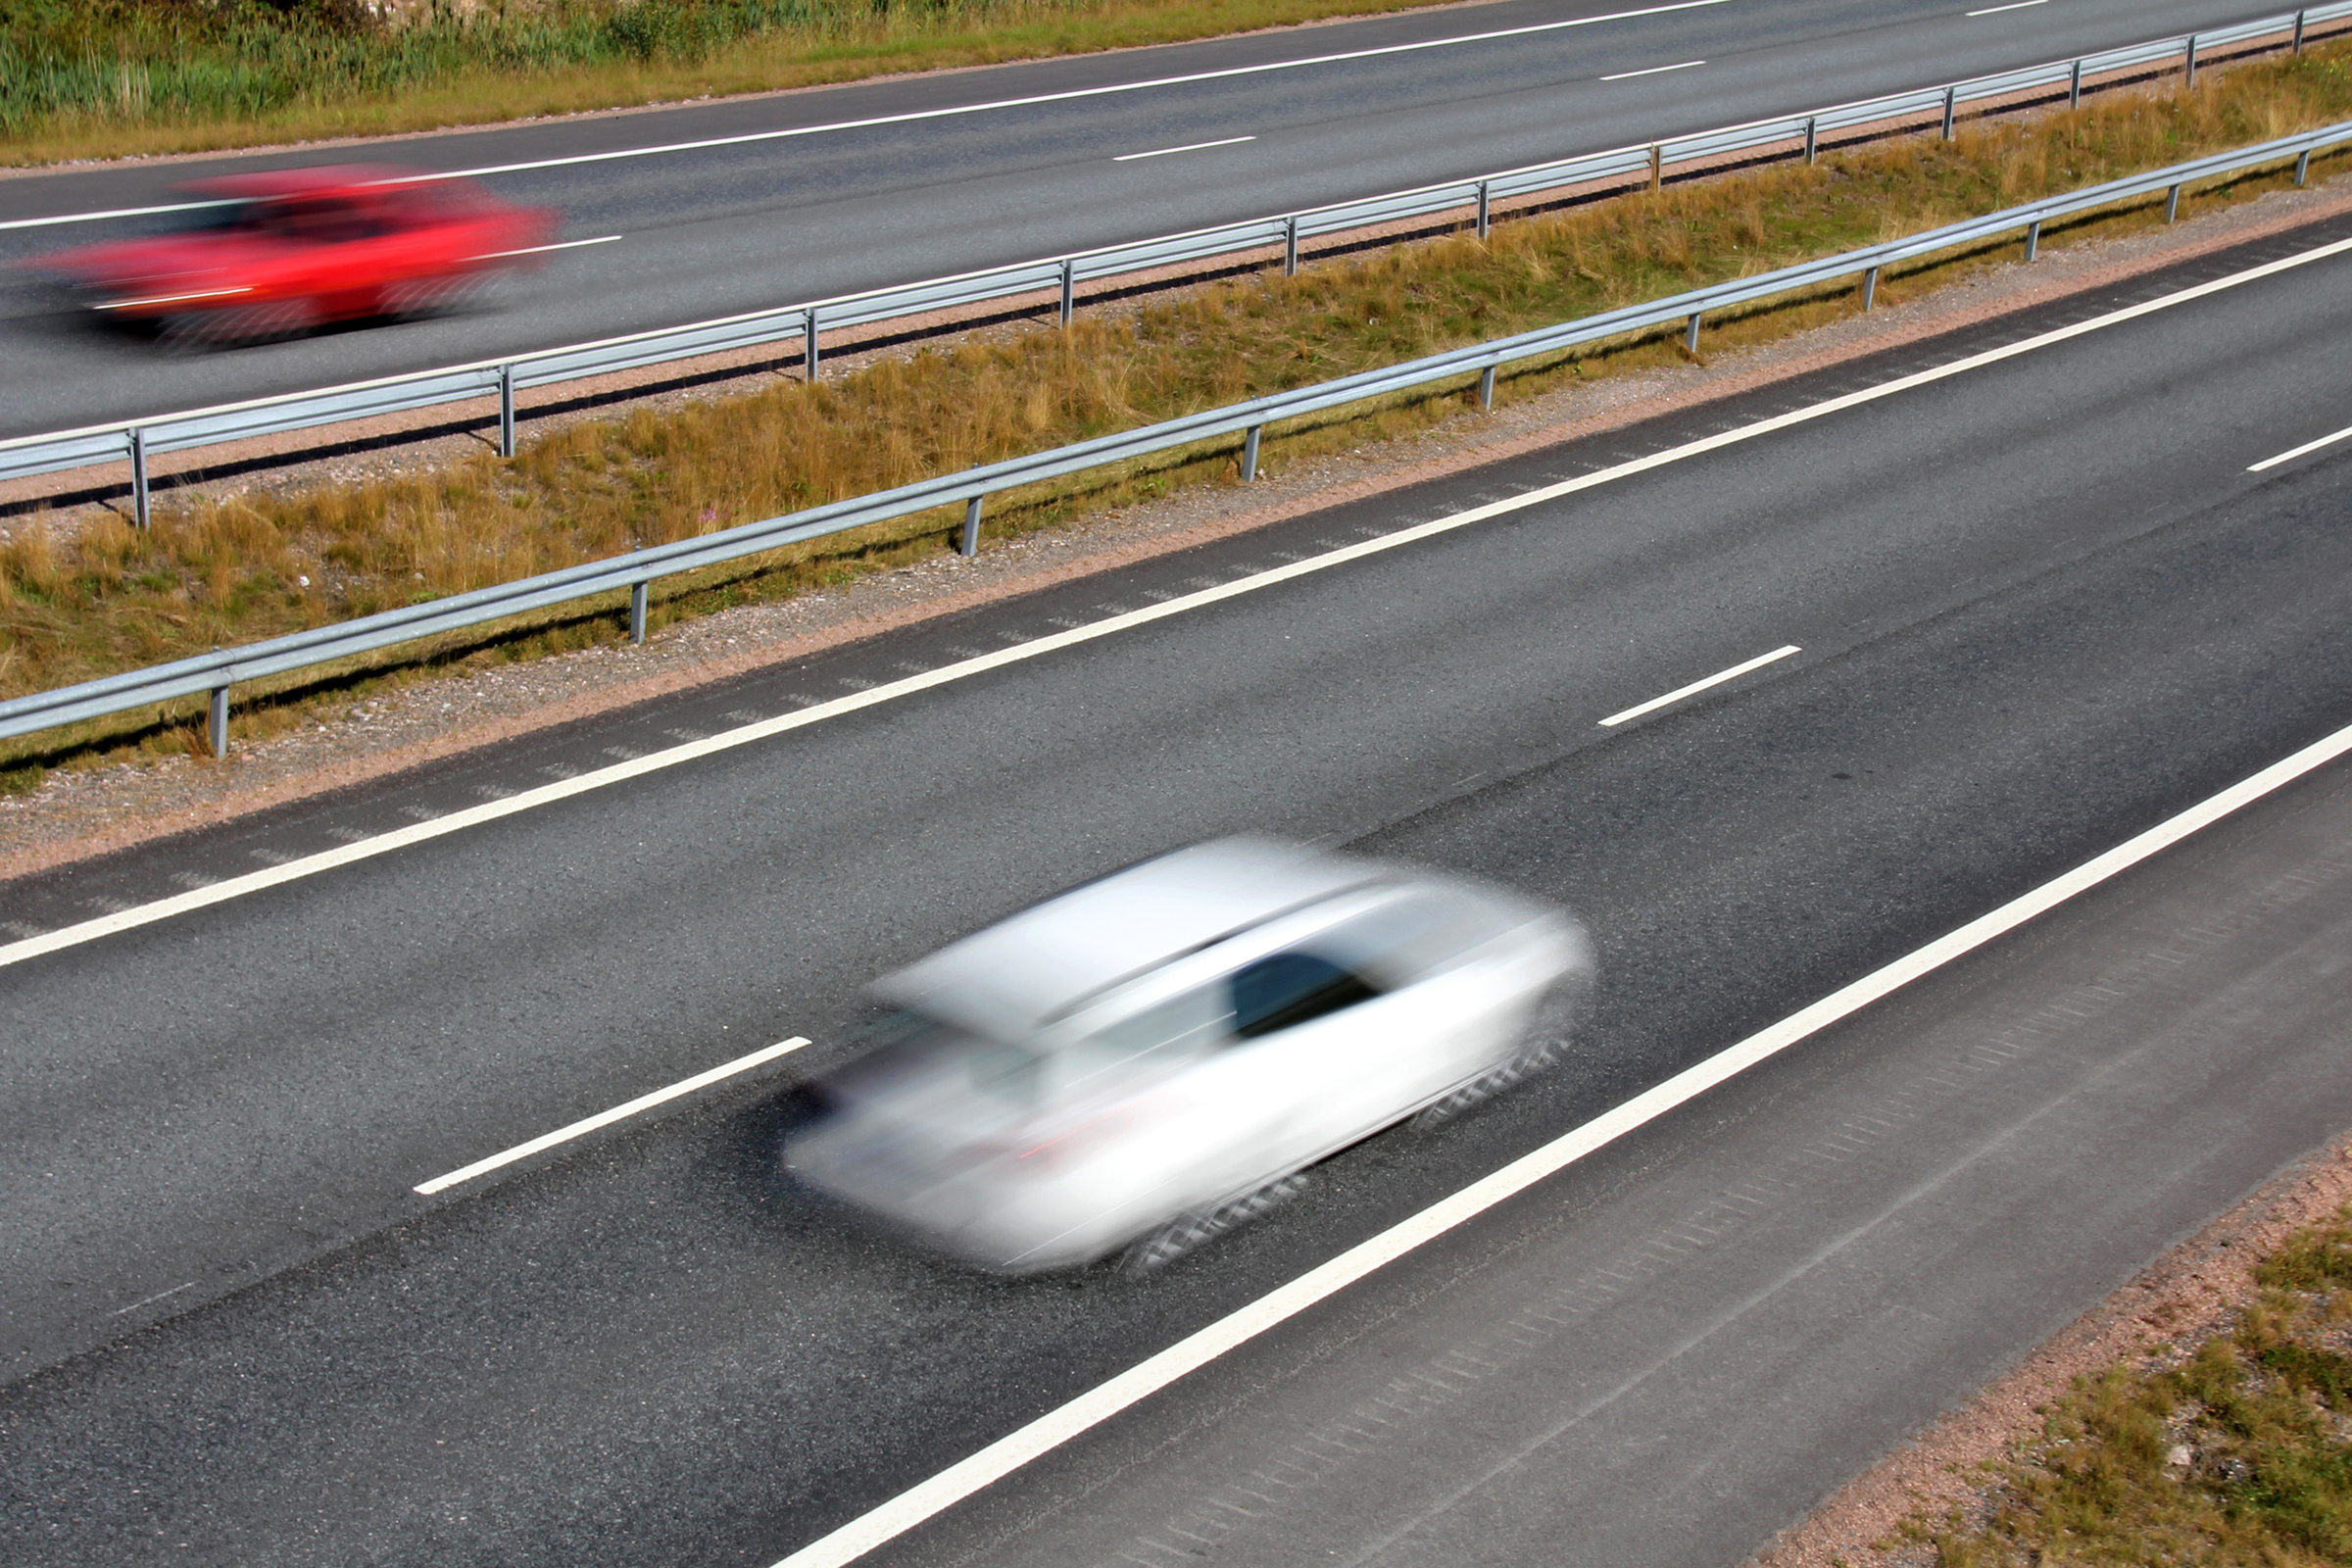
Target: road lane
column 744, row 224
column 1079, row 1421
column 1668, row 1362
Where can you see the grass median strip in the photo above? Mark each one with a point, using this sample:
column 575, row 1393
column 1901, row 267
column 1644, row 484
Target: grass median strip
column 97, row 598
column 751, row 730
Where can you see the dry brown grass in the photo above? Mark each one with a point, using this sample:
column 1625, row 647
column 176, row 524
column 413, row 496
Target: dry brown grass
column 227, row 571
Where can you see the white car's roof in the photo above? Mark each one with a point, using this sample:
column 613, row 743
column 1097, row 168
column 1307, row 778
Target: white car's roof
column 1023, row 971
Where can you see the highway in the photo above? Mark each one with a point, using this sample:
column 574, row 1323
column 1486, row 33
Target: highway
column 704, row 211
column 2039, row 605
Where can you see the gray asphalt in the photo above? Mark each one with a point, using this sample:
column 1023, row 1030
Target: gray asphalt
column 719, row 230
column 2042, row 606
column 1692, row 1338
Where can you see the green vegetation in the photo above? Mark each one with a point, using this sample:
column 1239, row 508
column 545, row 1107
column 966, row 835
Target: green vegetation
column 2241, row 1456
column 98, row 78
column 234, row 570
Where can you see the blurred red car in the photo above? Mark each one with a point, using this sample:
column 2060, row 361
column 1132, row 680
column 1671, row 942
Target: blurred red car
column 291, row 249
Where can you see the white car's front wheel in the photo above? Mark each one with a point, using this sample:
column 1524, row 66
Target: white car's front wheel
column 1544, row 1042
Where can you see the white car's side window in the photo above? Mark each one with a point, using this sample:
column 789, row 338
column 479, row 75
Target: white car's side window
column 1270, row 994
column 1287, row 989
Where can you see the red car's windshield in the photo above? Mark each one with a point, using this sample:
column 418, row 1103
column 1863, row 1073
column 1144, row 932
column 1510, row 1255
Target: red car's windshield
column 329, row 217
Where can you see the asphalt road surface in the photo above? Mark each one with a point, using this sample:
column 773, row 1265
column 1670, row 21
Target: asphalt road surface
column 866, row 186
column 2042, row 604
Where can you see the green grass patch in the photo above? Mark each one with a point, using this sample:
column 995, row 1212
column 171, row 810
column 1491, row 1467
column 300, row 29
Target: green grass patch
column 224, row 572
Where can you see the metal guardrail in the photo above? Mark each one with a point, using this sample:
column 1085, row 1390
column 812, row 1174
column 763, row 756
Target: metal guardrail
column 140, row 441
column 215, row 673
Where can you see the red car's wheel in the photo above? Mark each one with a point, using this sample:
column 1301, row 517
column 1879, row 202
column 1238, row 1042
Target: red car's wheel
column 264, row 323
column 419, row 298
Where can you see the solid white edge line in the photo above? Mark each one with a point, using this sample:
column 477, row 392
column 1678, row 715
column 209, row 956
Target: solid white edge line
column 1008, row 1453
column 2292, row 453
column 605, row 1118
column 1653, row 71
column 953, row 110
column 1698, row 686
column 99, row 218
column 564, row 789
column 2016, row 5
column 1190, row 147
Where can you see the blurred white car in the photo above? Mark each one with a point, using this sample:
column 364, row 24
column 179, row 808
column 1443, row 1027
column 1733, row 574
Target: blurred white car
column 1145, row 1060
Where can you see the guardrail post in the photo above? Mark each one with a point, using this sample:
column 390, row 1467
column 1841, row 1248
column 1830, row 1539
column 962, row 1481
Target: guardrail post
column 809, row 345
column 2171, row 204
column 2299, row 46
column 1951, row 108
column 138, row 476
column 1250, row 454
column 2074, row 87
column 506, row 410
column 1484, row 209
column 1069, row 291
column 637, row 612
column 1691, row 335
column 969, row 543
column 215, row 719
column 1870, row 288
column 1289, row 247
column 1812, row 140
column 2302, row 164
column 1658, row 167
column 2191, row 56
column 1485, row 389
column 2034, row 239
